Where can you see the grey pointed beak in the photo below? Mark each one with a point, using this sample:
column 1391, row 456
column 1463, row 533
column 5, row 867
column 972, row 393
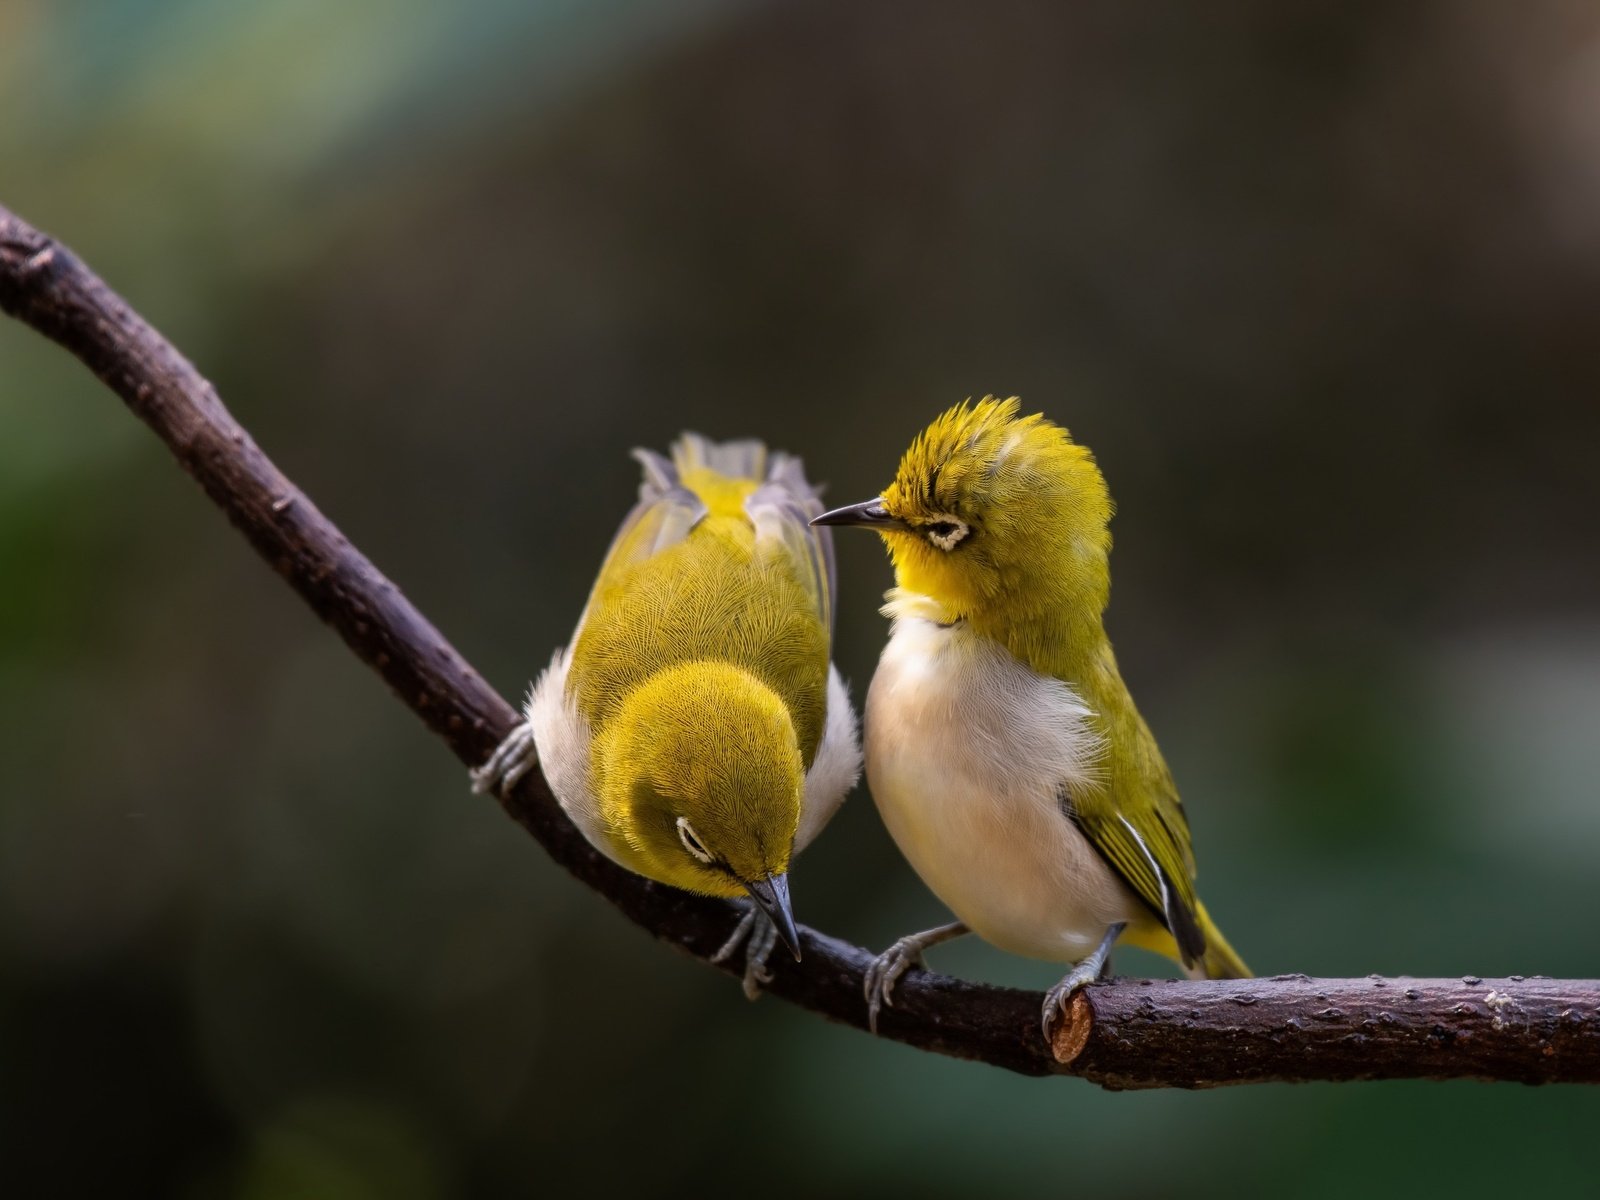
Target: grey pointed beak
column 869, row 514
column 772, row 894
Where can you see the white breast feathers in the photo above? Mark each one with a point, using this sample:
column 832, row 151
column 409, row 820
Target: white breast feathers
column 970, row 755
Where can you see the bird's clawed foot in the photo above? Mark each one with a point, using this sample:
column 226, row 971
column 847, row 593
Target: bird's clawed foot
column 885, row 972
column 759, row 935
column 1086, row 972
column 894, row 962
column 510, row 762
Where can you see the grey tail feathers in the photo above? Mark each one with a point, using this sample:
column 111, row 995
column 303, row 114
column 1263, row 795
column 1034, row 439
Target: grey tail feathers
column 786, row 501
column 742, row 458
column 745, row 458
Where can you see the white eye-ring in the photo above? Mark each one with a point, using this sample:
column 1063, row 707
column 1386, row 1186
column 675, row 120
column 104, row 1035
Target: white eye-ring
column 947, row 532
column 691, row 841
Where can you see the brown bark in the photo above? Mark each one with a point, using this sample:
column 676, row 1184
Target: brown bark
column 1170, row 1033
column 1124, row 1034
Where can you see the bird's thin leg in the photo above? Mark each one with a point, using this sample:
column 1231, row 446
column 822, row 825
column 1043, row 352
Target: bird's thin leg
column 759, row 935
column 760, row 946
column 899, row 958
column 740, row 931
column 1087, row 971
column 511, row 760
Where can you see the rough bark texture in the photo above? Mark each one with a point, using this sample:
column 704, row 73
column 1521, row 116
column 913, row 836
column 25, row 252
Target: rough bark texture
column 1169, row 1033
column 1124, row 1034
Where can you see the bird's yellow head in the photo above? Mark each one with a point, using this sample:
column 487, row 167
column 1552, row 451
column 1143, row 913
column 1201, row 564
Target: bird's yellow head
column 700, row 778
column 995, row 517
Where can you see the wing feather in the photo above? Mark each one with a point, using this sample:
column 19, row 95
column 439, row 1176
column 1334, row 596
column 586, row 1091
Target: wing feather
column 664, row 516
column 781, row 510
column 1143, row 850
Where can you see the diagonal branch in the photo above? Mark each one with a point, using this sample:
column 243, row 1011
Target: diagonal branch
column 1124, row 1035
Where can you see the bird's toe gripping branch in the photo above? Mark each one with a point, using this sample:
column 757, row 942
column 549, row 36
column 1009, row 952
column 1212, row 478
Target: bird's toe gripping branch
column 512, row 760
column 1058, row 998
column 759, row 935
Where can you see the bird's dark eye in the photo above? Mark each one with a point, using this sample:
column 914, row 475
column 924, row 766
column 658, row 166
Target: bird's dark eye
column 947, row 533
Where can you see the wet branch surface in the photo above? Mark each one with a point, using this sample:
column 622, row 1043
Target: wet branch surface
column 1122, row 1034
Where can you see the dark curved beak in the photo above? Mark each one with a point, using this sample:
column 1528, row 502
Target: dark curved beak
column 869, row 514
column 772, row 894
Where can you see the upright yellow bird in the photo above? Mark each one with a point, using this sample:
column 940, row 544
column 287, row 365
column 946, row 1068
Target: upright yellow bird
column 694, row 729
column 1003, row 750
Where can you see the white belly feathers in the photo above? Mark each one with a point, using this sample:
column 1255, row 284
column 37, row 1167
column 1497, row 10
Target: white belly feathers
column 969, row 753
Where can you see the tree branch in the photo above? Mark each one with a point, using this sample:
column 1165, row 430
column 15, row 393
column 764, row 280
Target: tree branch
column 1131, row 1033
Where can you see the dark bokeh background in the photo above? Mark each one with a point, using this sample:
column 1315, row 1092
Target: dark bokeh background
column 1319, row 283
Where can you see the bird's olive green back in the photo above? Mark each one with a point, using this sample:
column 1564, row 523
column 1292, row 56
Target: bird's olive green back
column 708, row 568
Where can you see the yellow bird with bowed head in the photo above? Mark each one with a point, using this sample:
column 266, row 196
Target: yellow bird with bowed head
column 694, row 729
column 1003, row 749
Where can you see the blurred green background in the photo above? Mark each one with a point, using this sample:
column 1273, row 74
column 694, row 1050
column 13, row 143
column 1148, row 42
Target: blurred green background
column 1319, row 283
